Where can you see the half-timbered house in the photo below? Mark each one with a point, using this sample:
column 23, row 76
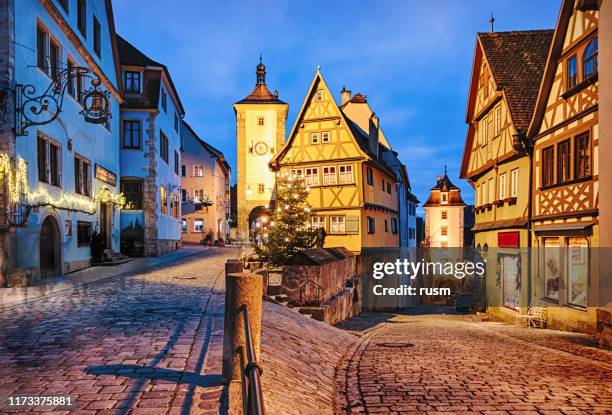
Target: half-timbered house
column 506, row 75
column 353, row 191
column 565, row 133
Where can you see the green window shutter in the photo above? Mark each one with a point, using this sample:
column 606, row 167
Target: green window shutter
column 352, row 224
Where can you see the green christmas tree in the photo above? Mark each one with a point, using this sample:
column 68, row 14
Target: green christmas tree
column 289, row 230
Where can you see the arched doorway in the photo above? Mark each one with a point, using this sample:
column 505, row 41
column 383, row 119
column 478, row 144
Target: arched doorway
column 50, row 264
column 258, row 217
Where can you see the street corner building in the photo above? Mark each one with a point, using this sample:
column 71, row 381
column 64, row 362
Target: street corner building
column 205, row 191
column 59, row 159
column 532, row 156
column 359, row 190
column 151, row 117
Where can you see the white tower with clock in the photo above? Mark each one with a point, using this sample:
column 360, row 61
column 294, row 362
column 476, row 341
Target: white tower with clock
column 260, row 132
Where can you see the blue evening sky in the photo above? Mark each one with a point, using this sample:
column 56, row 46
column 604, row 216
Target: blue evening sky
column 411, row 58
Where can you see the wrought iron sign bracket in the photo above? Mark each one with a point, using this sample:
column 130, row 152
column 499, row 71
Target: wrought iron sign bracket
column 33, row 109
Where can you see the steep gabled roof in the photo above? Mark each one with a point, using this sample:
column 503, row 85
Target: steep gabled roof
column 129, row 55
column 567, row 8
column 517, row 60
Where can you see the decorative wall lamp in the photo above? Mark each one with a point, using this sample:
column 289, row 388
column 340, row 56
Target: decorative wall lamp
column 520, row 143
column 33, row 109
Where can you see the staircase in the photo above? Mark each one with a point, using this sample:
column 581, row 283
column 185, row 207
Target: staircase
column 112, row 258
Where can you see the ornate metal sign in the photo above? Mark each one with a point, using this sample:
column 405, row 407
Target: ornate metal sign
column 33, row 109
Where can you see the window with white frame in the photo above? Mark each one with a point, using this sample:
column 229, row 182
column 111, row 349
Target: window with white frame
column 198, row 170
column 491, row 190
column 49, row 161
column 502, row 186
column 325, row 137
column 198, row 195
column 346, row 174
column 183, row 225
column 337, row 224
column 498, row 120
column 329, row 175
column 314, row 138
column 297, row 173
column 483, row 191
column 514, row 181
column 312, row 176
column 317, row 221
column 198, row 225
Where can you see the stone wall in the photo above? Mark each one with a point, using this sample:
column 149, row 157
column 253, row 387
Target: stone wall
column 7, row 121
column 149, row 203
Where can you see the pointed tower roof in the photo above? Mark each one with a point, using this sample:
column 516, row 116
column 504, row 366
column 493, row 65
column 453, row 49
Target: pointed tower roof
column 443, row 184
column 261, row 94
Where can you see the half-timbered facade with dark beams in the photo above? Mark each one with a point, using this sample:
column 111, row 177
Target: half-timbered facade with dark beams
column 353, row 191
column 506, row 76
column 564, row 132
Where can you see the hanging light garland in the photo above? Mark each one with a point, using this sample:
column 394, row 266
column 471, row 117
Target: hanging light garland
column 15, row 171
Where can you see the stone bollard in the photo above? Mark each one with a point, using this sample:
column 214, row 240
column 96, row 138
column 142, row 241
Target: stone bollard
column 233, row 266
column 242, row 290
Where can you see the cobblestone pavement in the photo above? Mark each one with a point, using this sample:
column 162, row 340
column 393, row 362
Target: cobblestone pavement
column 148, row 343
column 450, row 364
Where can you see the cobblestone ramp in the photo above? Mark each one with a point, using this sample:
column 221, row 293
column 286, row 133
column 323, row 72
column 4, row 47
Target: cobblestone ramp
column 299, row 357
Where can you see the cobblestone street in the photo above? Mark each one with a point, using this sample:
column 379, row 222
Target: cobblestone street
column 450, row 364
column 135, row 343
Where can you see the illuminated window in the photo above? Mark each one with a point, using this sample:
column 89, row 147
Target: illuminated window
column 198, row 225
column 163, row 195
column 132, row 191
column 198, row 170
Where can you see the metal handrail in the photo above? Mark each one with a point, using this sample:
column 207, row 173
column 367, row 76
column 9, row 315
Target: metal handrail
column 252, row 395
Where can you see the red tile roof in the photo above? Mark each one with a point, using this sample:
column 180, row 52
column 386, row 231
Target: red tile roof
column 517, row 60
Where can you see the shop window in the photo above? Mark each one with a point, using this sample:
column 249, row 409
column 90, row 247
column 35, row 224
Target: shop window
column 163, row 194
column 552, row 268
column 577, row 271
column 132, row 190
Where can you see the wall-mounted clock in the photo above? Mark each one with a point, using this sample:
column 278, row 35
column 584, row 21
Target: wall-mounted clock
column 261, row 148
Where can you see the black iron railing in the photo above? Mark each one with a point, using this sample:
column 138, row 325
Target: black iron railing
column 252, row 395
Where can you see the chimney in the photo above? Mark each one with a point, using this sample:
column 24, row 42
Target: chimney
column 373, row 135
column 345, row 95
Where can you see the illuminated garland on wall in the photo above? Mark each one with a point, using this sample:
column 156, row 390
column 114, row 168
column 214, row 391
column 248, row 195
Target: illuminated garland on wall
column 17, row 173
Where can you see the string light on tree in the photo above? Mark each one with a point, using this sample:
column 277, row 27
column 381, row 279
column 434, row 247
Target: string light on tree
column 288, row 230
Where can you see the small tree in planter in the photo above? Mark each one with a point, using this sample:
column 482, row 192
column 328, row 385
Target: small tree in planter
column 289, row 230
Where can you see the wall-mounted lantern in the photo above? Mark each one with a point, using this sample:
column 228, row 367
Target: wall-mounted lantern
column 33, row 109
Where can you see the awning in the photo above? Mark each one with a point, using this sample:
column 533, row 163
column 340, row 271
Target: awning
column 563, row 229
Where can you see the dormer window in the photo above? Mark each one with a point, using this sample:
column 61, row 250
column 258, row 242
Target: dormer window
column 444, row 198
column 589, row 59
column 131, row 81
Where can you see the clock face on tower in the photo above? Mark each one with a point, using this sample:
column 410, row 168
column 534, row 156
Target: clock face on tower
column 261, row 148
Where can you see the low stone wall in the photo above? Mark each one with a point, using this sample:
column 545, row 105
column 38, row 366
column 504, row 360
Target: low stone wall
column 299, row 357
column 317, row 275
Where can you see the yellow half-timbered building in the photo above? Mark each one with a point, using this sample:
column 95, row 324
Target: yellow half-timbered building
column 353, row 191
column 565, row 133
column 506, row 75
